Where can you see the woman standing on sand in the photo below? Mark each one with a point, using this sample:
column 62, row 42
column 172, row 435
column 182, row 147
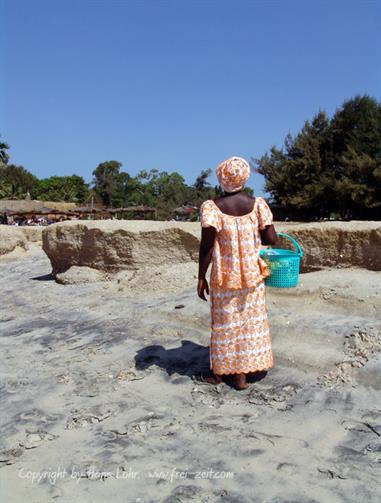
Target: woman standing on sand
column 233, row 228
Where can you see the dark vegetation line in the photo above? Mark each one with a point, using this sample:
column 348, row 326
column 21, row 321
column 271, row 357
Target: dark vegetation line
column 330, row 169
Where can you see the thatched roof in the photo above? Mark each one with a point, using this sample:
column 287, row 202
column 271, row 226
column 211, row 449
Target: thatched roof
column 49, row 211
column 43, row 210
column 140, row 209
column 5, row 209
column 33, row 205
column 87, row 209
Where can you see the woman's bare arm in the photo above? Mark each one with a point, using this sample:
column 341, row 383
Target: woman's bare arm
column 268, row 235
column 208, row 235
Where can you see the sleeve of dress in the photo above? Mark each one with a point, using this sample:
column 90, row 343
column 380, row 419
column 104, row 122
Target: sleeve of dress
column 265, row 216
column 209, row 216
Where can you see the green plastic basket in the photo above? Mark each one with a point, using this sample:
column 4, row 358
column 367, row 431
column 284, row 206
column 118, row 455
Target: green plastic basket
column 283, row 264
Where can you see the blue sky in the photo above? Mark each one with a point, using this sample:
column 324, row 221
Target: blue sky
column 175, row 85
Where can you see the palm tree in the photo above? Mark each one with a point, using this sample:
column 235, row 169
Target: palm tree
column 4, row 157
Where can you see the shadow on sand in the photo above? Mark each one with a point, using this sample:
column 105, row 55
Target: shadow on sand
column 44, row 277
column 189, row 359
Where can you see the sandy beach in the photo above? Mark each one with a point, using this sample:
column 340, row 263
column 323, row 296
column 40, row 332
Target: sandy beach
column 98, row 401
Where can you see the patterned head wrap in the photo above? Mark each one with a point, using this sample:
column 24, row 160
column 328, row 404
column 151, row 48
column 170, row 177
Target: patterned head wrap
column 232, row 174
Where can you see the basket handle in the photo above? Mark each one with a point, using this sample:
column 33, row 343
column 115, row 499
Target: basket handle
column 299, row 251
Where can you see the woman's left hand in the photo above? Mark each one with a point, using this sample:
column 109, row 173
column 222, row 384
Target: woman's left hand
column 202, row 287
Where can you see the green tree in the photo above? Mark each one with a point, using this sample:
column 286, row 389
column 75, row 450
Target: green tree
column 4, row 156
column 61, row 188
column 162, row 190
column 137, row 194
column 16, row 181
column 121, row 190
column 355, row 154
column 106, row 179
column 296, row 175
column 330, row 166
column 201, row 184
column 202, row 188
column 5, row 187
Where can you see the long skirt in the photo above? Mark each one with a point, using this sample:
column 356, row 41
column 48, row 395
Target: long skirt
column 240, row 336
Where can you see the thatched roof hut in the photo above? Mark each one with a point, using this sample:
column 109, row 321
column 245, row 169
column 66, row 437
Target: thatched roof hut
column 5, row 209
column 28, row 204
column 43, row 210
column 87, row 209
column 132, row 209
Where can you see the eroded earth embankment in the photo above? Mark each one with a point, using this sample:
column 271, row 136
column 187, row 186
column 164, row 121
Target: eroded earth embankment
column 114, row 246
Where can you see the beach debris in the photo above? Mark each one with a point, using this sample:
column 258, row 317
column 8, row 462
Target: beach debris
column 64, row 378
column 359, row 347
column 97, row 414
column 332, row 474
column 327, row 293
column 179, row 306
column 207, row 395
column 140, row 425
column 274, row 396
column 129, row 375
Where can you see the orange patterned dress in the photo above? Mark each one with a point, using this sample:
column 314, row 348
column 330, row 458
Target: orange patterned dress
column 240, row 337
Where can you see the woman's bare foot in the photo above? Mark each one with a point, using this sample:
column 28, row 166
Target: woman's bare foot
column 209, row 379
column 239, row 381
